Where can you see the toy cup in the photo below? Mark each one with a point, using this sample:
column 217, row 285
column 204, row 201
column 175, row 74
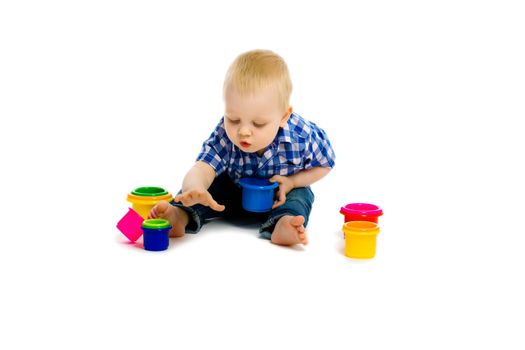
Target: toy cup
column 144, row 199
column 361, row 212
column 156, row 234
column 131, row 225
column 257, row 194
column 360, row 239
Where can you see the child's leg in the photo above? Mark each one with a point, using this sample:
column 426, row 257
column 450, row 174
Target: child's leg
column 223, row 190
column 285, row 224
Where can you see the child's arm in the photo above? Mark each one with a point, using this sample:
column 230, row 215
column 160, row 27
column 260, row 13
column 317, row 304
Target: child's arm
column 301, row 179
column 195, row 187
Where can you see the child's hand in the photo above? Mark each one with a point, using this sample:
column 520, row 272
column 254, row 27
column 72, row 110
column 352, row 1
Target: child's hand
column 198, row 196
column 285, row 186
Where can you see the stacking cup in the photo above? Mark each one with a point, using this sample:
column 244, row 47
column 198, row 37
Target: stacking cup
column 360, row 239
column 144, row 199
column 361, row 212
column 257, row 194
column 156, row 234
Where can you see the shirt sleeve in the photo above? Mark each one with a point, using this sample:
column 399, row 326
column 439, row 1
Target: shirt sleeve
column 216, row 149
column 319, row 152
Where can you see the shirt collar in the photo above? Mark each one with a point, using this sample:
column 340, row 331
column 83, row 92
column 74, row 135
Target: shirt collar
column 284, row 134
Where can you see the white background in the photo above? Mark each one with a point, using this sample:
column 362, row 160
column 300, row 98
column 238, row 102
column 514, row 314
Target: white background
column 420, row 99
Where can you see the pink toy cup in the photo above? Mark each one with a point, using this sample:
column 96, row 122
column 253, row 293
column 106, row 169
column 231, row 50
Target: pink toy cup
column 131, row 225
column 361, row 212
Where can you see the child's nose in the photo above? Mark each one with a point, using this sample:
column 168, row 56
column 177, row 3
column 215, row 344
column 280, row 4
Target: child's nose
column 244, row 131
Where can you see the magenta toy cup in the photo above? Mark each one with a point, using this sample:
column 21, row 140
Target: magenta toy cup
column 361, row 212
column 131, row 225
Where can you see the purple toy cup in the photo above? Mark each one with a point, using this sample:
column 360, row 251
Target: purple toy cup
column 131, row 225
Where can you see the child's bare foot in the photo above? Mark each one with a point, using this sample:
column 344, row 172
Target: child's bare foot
column 177, row 217
column 289, row 230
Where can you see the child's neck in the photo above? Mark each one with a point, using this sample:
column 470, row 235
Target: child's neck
column 261, row 152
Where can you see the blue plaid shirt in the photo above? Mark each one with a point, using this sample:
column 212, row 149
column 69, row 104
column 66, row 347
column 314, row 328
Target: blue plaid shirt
column 299, row 145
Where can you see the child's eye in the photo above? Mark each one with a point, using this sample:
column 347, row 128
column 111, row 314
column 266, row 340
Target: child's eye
column 257, row 125
column 234, row 121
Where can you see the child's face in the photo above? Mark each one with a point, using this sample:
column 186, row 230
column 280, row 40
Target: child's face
column 252, row 121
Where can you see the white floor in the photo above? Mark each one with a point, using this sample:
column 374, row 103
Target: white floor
column 422, row 103
column 435, row 282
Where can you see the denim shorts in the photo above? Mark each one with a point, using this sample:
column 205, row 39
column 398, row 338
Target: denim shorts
column 298, row 202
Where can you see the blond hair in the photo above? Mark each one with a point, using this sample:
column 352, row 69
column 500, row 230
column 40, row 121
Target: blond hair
column 257, row 69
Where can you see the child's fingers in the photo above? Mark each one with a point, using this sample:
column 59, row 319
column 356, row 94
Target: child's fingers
column 280, row 201
column 182, row 198
column 186, row 199
column 214, row 205
column 277, row 203
column 276, row 178
column 195, row 197
column 189, row 198
column 151, row 213
column 210, row 202
column 282, row 196
column 217, row 207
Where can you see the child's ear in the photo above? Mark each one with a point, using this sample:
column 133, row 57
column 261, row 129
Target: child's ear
column 286, row 116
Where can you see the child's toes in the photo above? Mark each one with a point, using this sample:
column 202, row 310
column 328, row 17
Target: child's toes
column 297, row 221
column 152, row 214
column 158, row 210
column 303, row 238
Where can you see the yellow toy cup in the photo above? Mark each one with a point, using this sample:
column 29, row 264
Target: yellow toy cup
column 144, row 199
column 360, row 239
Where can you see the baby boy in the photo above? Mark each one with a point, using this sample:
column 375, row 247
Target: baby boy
column 258, row 136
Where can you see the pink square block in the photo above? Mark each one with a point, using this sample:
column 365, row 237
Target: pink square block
column 131, row 225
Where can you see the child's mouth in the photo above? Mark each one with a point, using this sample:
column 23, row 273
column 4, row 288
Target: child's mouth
column 245, row 144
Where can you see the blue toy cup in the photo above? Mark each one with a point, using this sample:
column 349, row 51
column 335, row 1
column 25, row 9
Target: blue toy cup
column 156, row 234
column 257, row 194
